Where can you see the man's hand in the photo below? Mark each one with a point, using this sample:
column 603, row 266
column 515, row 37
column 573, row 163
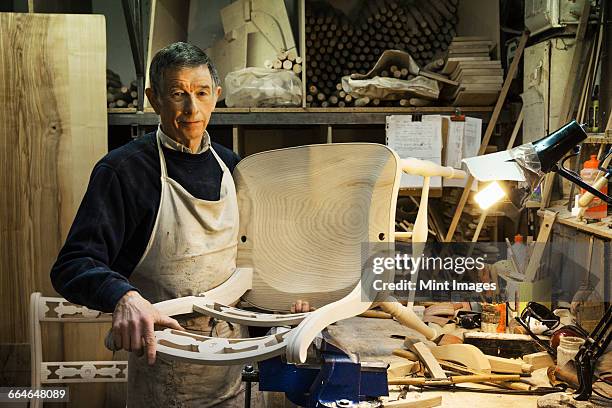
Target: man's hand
column 301, row 306
column 134, row 321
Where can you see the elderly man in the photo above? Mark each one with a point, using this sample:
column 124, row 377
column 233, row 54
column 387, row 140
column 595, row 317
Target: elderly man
column 159, row 221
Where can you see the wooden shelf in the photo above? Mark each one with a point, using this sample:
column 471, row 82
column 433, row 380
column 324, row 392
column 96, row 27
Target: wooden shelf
column 564, row 217
column 599, row 138
column 294, row 116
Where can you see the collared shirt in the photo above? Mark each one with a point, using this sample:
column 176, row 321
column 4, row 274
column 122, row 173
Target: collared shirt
column 172, row 144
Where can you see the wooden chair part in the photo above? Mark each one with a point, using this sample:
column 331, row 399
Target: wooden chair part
column 305, row 213
column 59, row 310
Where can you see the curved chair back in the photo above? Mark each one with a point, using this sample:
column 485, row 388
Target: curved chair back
column 305, row 213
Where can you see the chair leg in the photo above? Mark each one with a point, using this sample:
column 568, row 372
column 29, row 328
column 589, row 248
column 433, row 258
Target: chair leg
column 301, row 337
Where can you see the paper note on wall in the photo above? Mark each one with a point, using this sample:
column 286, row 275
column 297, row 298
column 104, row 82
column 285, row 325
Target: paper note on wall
column 421, row 140
column 467, row 135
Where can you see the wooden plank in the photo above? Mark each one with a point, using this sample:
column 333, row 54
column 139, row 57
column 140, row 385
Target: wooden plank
column 487, row 136
column 517, row 127
column 168, row 24
column 429, row 360
column 540, row 246
column 49, row 143
column 428, row 402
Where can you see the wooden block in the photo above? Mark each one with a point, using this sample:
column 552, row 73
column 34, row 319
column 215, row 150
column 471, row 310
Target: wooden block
column 442, row 309
column 476, row 98
column 479, row 72
column 469, row 38
column 445, row 339
column 458, row 50
column 509, row 366
column 235, row 15
column 465, row 354
column 402, row 369
column 416, row 403
column 470, row 79
column 539, row 360
column 168, row 24
column 429, row 360
column 406, row 354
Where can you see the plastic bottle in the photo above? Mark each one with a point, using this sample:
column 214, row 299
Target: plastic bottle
column 519, row 248
column 598, row 208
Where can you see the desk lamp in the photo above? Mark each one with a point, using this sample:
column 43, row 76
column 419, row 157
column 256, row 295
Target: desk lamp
column 528, row 164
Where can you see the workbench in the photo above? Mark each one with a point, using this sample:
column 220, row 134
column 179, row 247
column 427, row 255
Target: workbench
column 371, row 339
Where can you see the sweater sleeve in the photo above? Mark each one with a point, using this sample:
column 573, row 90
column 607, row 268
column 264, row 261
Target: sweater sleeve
column 81, row 273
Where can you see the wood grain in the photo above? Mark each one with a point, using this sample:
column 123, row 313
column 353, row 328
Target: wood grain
column 49, row 142
column 52, row 88
column 304, row 214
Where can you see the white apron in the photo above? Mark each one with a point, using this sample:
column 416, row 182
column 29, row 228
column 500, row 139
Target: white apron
column 192, row 249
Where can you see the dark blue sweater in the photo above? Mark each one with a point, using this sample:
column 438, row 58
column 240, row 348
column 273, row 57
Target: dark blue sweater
column 116, row 217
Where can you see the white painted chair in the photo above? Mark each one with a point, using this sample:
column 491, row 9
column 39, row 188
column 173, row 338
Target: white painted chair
column 305, row 214
column 59, row 310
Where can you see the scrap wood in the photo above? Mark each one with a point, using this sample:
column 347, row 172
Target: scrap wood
column 416, row 403
column 508, row 365
column 465, row 354
column 406, row 354
column 402, row 368
column 539, row 360
column 442, row 309
column 447, row 338
column 431, row 364
column 540, row 245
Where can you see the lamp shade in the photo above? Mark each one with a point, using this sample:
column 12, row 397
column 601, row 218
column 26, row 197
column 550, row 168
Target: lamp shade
column 553, row 147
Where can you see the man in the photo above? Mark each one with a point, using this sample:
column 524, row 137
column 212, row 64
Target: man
column 159, row 221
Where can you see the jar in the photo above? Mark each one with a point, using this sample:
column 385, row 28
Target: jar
column 568, row 348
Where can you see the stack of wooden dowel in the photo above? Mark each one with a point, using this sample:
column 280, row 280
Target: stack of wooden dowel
column 469, row 63
column 118, row 95
column 337, row 46
column 288, row 60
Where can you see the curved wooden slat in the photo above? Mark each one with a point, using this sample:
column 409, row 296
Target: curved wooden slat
column 249, row 318
column 193, row 348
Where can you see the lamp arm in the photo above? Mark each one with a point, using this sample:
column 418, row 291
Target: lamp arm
column 581, row 183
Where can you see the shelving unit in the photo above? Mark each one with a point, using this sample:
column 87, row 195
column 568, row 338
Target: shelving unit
column 249, row 130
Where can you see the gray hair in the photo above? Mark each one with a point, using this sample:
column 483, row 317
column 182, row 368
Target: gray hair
column 179, row 55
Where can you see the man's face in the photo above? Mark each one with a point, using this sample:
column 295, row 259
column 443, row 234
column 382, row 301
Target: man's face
column 185, row 103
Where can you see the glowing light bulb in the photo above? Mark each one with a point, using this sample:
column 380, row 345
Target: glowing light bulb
column 489, row 195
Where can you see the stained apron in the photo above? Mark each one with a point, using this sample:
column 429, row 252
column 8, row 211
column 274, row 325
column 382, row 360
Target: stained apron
column 192, row 249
